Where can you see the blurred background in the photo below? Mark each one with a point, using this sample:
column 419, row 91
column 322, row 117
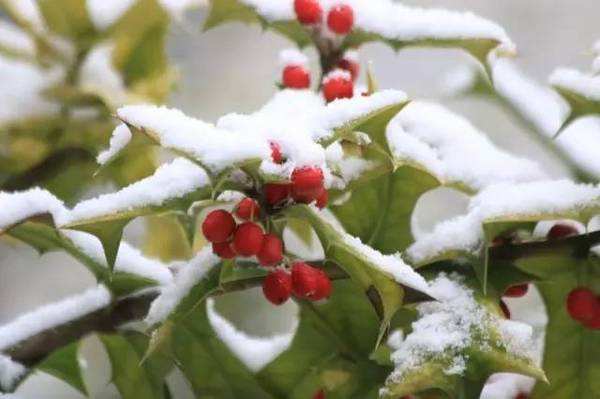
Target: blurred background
column 234, row 68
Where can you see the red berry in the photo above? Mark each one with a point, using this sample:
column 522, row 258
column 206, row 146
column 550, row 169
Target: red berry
column 323, row 286
column 337, row 86
column 223, row 250
column 307, row 184
column 322, row 199
column 594, row 323
column 276, row 155
column 308, row 11
column 505, row 309
column 271, row 251
column 522, row 396
column 516, row 291
column 561, row 230
column 276, row 193
column 304, row 280
column 218, row 226
column 277, row 286
column 340, row 19
column 351, row 66
column 319, row 395
column 582, row 304
column 248, row 209
column 248, row 239
column 295, row 77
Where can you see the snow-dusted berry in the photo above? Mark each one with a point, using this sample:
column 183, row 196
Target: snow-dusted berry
column 248, row 209
column 271, row 251
column 320, row 394
column 277, row 286
column 516, row 291
column 338, row 84
column 323, row 286
column 561, row 230
column 223, row 250
column 218, row 226
column 295, row 77
column 322, row 199
column 582, row 304
column 276, row 155
column 350, row 65
column 308, row 12
column 304, row 280
column 504, row 309
column 277, row 193
column 248, row 239
column 307, row 184
column 340, row 19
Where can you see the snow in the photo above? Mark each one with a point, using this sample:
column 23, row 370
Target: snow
column 28, row 10
column 104, row 13
column 507, row 386
column 442, row 140
column 16, row 40
column 129, row 259
column 340, row 74
column 10, row 373
column 99, row 76
column 22, row 84
column 53, row 315
column 186, row 278
column 255, row 352
column 170, row 181
column 292, row 56
column 213, row 147
column 19, row 206
column 446, row 328
column 572, row 80
column 120, row 138
column 399, row 22
column 389, row 264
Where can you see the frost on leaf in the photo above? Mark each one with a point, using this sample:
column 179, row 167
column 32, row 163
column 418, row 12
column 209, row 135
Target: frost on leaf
column 581, row 90
column 451, row 337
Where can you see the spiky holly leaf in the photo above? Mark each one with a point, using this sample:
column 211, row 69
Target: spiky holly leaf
column 381, row 278
column 64, row 365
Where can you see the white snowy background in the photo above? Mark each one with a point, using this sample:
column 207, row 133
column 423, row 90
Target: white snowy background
column 233, row 68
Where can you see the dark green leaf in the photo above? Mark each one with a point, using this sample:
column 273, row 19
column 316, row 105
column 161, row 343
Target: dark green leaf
column 64, row 365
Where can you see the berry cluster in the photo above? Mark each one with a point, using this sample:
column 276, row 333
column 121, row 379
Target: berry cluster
column 246, row 239
column 340, row 17
column 583, row 305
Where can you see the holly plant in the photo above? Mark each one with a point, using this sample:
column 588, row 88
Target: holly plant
column 313, row 199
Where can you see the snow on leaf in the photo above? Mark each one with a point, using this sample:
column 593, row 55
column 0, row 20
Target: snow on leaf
column 11, row 373
column 51, row 315
column 120, row 138
column 18, row 207
column 451, row 337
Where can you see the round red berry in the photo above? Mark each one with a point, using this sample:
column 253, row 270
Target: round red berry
column 516, row 291
column 308, row 12
column 277, row 193
column 340, row 19
column 218, row 226
column 295, row 77
column 304, row 280
column 271, row 251
column 248, row 239
column 323, row 286
column 351, row 66
column 522, row 396
column 307, row 184
column 582, row 304
column 320, row 394
column 594, row 322
column 276, row 154
column 248, row 209
column 337, row 87
column 504, row 309
column 322, row 198
column 277, row 286
column 223, row 250
column 561, row 230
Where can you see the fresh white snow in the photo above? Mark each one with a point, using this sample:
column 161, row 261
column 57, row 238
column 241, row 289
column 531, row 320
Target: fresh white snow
column 572, row 80
column 19, row 206
column 10, row 373
column 15, row 40
column 52, row 315
column 188, row 275
column 255, row 352
column 99, row 76
column 119, row 139
column 292, row 56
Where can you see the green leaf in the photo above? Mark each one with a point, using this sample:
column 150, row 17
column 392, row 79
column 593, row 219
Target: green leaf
column 222, row 11
column 68, row 18
column 571, row 351
column 64, row 365
column 380, row 212
column 133, row 379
